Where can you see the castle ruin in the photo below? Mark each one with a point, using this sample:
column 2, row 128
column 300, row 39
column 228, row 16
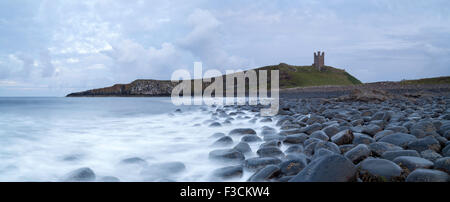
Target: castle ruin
column 319, row 60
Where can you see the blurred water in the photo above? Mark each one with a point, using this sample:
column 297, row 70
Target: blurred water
column 42, row 139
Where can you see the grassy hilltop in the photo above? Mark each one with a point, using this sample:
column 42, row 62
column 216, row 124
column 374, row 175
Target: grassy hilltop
column 435, row 80
column 301, row 76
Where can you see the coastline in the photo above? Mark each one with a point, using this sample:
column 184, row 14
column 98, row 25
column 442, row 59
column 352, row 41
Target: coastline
column 328, row 91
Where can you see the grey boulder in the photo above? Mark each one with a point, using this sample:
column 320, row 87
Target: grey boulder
column 295, row 138
column 228, row 172
column 80, row 175
column 399, row 139
column 425, row 143
column 312, row 128
column 378, row 148
column 391, row 155
column 380, row 168
column 343, row 137
column 226, row 155
column 430, row 155
column 257, row 163
column 443, row 164
column 427, row 175
column 371, row 129
column 265, row 174
column 294, row 149
column 358, row 153
column 223, row 141
column 382, row 134
column 331, row 130
column 412, row 162
column 320, row 135
column 269, row 152
column 359, row 138
column 292, row 166
column 242, row 131
column 243, row 148
column 330, row 168
column 251, row 138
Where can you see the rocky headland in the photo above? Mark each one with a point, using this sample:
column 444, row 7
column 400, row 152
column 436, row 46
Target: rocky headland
column 289, row 76
column 134, row 89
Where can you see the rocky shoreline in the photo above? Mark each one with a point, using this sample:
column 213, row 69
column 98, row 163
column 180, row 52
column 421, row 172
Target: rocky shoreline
column 403, row 138
column 367, row 135
column 391, row 87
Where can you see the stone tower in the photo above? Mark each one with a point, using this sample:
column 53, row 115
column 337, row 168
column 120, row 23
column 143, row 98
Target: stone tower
column 319, row 60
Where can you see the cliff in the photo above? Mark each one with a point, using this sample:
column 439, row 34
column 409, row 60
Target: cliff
column 135, row 88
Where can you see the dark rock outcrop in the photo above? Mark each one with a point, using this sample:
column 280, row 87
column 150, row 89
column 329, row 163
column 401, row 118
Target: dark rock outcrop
column 135, row 88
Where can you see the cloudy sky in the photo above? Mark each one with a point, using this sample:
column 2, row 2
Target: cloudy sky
column 51, row 48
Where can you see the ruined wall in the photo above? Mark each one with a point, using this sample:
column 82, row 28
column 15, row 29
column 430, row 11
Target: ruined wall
column 319, row 60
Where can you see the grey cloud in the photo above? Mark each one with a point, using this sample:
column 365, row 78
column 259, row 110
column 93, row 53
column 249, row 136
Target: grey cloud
column 206, row 42
column 27, row 65
column 131, row 60
column 46, row 64
column 97, row 43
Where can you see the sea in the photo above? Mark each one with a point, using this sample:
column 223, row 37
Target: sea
column 42, row 139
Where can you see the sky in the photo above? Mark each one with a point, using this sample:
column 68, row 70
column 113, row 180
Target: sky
column 52, row 48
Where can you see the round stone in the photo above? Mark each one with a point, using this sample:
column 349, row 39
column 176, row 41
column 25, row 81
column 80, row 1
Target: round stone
column 391, row 155
column 266, row 120
column 423, row 144
column 228, row 172
column 257, row 162
column 346, row 147
column 358, row 153
column 217, row 135
column 226, row 155
column 331, row 130
column 430, row 155
column 412, row 162
column 320, row 135
column 398, row 129
column 294, row 149
column 296, row 138
column 371, row 129
column 265, row 174
column 330, row 168
column 223, row 141
column 359, row 138
column 327, row 145
column 381, row 134
column 378, row 148
column 443, row 164
column 292, row 167
column 380, row 168
column 243, row 147
column 312, row 128
column 215, row 124
column 269, row 152
column 134, row 161
column 80, row 175
column 242, row 131
column 399, row 139
column 343, row 137
column 251, row 138
column 427, row 175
